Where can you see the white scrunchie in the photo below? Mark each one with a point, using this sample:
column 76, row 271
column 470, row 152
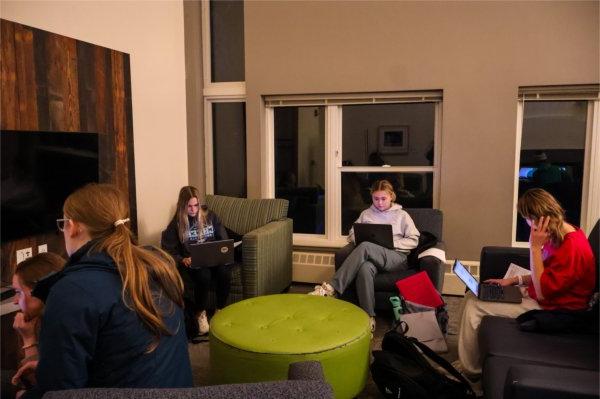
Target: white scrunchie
column 121, row 221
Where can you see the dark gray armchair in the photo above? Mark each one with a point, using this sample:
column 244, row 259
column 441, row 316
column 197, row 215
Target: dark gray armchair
column 425, row 219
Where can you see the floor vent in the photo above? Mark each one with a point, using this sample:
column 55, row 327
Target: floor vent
column 312, row 267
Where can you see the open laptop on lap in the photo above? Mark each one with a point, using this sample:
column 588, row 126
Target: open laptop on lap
column 211, row 253
column 487, row 292
column 380, row 234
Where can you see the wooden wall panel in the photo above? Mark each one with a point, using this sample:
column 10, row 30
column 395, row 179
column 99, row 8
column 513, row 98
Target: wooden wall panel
column 9, row 99
column 53, row 83
column 26, row 82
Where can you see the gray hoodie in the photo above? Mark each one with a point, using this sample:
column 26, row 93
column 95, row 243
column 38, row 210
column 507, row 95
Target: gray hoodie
column 406, row 235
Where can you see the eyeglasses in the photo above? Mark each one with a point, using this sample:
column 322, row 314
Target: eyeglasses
column 60, row 223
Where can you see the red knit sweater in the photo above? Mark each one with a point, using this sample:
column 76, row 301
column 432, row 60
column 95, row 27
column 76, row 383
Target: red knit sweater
column 569, row 276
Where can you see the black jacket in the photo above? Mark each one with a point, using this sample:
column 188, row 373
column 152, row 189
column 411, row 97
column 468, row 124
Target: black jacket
column 90, row 338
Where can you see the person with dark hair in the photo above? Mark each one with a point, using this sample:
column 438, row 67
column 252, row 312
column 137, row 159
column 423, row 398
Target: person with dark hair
column 194, row 223
column 562, row 274
column 367, row 259
column 114, row 317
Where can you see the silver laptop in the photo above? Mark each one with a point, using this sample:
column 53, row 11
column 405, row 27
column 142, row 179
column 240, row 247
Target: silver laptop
column 487, row 292
column 380, row 234
column 211, row 253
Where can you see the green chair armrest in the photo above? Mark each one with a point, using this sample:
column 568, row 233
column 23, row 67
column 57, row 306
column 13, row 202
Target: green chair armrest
column 267, row 257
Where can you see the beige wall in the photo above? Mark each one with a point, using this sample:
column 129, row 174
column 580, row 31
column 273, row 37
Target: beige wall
column 152, row 33
column 478, row 53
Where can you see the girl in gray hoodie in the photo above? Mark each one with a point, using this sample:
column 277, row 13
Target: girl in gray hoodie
column 367, row 259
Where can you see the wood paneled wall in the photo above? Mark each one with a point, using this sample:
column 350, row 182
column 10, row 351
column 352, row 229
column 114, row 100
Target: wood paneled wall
column 52, row 83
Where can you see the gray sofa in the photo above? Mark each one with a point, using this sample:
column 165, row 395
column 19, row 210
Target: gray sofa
column 305, row 380
column 425, row 219
column 519, row 364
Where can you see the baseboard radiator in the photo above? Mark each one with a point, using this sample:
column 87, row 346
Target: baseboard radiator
column 316, row 267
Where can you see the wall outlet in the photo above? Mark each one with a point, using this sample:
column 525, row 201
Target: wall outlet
column 23, row 254
column 42, row 248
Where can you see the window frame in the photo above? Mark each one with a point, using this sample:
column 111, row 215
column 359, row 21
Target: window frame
column 214, row 92
column 590, row 195
column 333, row 153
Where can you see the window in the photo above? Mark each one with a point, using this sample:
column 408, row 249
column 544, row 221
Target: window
column 556, row 134
column 224, row 97
column 327, row 151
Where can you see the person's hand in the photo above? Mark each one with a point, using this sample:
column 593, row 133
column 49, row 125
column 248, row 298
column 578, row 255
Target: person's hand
column 26, row 328
column 187, row 262
column 26, row 371
column 539, row 234
column 500, row 281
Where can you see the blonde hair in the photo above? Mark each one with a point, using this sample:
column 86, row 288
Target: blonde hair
column 535, row 203
column 31, row 270
column 183, row 225
column 98, row 207
column 384, row 185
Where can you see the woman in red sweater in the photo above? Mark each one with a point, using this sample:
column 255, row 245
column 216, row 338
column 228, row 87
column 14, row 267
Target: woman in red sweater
column 562, row 274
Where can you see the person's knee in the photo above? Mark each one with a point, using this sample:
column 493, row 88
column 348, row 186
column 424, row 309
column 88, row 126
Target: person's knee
column 366, row 272
column 366, row 246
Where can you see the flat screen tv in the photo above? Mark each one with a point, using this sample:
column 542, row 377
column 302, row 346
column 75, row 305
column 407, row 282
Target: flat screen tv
column 39, row 170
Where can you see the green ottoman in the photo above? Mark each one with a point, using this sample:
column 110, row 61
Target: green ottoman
column 256, row 339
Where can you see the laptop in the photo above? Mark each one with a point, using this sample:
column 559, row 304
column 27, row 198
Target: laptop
column 380, row 234
column 487, row 292
column 211, row 253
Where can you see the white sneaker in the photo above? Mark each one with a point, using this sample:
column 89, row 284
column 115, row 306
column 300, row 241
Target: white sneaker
column 203, row 325
column 324, row 289
column 372, row 323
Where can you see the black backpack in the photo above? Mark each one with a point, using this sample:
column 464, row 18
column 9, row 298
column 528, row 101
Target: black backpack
column 401, row 371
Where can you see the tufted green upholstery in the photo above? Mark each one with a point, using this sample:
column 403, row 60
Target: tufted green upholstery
column 256, row 339
column 266, row 244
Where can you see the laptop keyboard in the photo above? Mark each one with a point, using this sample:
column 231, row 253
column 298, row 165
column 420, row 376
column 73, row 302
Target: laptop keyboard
column 491, row 291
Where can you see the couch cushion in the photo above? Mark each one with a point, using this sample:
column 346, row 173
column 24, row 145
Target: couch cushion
column 500, row 336
column 243, row 215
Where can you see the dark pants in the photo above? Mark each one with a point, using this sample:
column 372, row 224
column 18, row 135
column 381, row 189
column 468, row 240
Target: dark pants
column 202, row 278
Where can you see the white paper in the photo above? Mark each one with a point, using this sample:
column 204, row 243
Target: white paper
column 236, row 243
column 516, row 270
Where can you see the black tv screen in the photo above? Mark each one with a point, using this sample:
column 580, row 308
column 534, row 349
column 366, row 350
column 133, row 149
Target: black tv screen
column 39, row 171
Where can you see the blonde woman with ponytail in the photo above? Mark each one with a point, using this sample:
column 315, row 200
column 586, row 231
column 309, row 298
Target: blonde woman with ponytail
column 192, row 223
column 114, row 317
column 562, row 277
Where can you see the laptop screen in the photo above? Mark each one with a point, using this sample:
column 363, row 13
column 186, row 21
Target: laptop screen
column 461, row 271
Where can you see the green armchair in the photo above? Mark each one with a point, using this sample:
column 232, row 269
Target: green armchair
column 266, row 244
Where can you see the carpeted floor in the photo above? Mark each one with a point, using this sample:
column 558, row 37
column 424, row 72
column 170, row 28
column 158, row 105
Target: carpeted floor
column 199, row 353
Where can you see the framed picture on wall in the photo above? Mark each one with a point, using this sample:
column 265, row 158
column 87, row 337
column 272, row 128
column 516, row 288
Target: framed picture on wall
column 393, row 139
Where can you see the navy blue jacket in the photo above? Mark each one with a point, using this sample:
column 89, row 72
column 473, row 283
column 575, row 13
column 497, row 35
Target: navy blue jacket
column 89, row 338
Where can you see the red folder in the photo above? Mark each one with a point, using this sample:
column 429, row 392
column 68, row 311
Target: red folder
column 418, row 288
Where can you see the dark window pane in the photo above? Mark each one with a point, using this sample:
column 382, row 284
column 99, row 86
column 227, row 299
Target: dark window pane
column 392, row 134
column 300, row 165
column 413, row 190
column 229, row 148
column 227, row 40
column 552, row 154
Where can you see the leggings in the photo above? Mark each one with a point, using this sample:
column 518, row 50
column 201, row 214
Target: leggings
column 202, row 278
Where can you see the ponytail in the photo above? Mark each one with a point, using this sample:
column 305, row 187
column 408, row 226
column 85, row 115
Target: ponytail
column 104, row 211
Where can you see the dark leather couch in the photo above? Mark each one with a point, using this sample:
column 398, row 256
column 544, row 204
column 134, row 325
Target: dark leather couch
column 425, row 219
column 518, row 364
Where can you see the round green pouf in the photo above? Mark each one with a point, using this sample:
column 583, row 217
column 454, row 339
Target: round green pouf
column 256, row 340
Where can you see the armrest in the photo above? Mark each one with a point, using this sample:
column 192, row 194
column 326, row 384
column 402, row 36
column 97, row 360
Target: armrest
column 531, row 381
column 307, row 370
column 267, row 259
column 494, row 261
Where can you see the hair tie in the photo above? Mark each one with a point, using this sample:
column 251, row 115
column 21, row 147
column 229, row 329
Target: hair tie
column 121, row 221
